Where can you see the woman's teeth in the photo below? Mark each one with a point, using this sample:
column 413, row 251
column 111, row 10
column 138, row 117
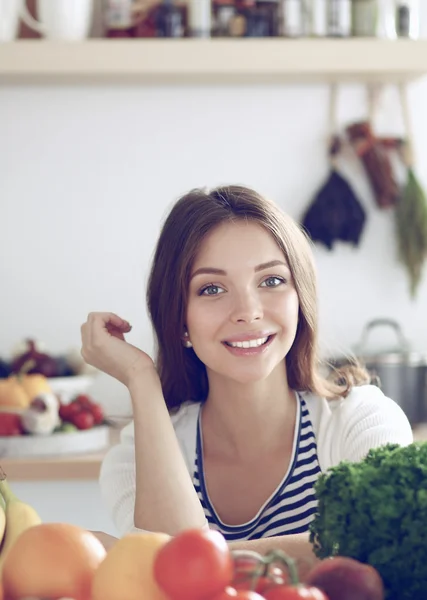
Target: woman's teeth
column 248, row 344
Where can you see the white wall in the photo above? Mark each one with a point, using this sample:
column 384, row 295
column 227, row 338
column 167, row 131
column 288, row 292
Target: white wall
column 87, row 174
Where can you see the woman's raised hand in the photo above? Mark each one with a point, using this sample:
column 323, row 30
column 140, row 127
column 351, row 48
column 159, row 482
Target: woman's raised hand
column 105, row 348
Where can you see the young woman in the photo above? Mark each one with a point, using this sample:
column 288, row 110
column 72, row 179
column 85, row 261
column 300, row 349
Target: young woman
column 233, row 421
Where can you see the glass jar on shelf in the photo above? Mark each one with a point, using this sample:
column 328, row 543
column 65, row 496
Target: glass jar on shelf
column 364, row 18
column 169, row 20
column 407, row 18
column 199, row 18
column 339, row 18
column 224, row 15
column 261, row 17
column 291, row 18
column 386, row 22
column 118, row 17
column 316, row 11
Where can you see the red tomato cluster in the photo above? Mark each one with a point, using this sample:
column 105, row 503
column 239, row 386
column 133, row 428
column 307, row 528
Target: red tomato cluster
column 82, row 412
column 198, row 565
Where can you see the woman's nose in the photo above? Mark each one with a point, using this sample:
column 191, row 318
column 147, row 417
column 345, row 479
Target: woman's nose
column 247, row 308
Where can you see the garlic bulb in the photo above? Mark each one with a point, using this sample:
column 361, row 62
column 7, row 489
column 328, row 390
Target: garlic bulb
column 42, row 416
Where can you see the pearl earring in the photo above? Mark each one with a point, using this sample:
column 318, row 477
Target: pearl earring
column 187, row 342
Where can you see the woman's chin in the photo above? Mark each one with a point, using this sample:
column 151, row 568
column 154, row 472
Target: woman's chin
column 250, row 376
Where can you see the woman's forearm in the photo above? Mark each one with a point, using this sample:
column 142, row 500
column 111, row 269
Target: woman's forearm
column 297, row 546
column 165, row 496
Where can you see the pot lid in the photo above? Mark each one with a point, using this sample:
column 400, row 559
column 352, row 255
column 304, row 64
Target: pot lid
column 401, row 354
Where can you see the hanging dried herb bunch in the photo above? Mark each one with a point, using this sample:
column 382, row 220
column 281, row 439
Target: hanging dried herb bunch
column 411, row 213
column 411, row 229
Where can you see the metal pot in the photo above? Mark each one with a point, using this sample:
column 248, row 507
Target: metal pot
column 400, row 373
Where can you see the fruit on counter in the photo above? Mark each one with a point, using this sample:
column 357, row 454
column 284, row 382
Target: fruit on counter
column 278, row 577
column 194, row 564
column 126, row 573
column 42, row 416
column 52, row 560
column 250, row 572
column 10, row 424
column 2, row 521
column 82, row 412
column 22, row 346
column 42, row 363
column 66, row 428
column 68, row 364
column 231, row 593
column 12, row 394
column 34, row 384
column 18, row 390
column 343, row 578
column 83, row 420
column 19, row 517
column 199, row 565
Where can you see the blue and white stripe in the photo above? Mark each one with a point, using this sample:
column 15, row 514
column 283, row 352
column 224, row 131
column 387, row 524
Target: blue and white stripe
column 291, row 507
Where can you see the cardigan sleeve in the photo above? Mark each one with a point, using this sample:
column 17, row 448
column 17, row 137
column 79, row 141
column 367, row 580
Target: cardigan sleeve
column 117, row 477
column 117, row 481
column 367, row 419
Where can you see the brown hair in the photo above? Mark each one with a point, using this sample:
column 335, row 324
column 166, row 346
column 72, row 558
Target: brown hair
column 182, row 374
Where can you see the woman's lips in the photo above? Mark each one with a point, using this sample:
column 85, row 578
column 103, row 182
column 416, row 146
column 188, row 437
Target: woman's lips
column 250, row 351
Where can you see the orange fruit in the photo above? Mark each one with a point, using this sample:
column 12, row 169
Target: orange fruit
column 52, row 560
column 126, row 573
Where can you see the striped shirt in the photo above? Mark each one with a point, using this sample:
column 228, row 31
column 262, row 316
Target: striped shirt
column 341, row 429
column 291, row 507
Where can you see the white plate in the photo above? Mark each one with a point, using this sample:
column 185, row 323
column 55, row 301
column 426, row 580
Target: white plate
column 56, row 444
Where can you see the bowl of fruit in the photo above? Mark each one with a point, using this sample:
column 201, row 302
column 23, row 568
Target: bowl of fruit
column 68, row 374
column 45, row 406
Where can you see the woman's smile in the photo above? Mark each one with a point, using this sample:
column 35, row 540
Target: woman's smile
column 252, row 347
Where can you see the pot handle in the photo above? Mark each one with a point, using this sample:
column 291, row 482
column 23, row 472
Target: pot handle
column 403, row 342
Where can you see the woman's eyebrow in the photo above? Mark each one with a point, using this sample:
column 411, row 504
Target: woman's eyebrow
column 261, row 267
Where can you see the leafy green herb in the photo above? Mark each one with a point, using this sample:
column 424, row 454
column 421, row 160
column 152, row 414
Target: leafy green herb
column 376, row 512
column 411, row 229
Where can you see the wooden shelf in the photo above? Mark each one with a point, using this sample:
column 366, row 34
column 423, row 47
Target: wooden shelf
column 229, row 61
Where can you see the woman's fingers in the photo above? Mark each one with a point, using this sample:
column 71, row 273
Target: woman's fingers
column 98, row 327
column 110, row 319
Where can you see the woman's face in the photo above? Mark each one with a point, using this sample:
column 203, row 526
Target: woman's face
column 242, row 311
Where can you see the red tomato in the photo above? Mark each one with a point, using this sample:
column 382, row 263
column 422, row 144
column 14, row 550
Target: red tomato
column 230, row 593
column 294, row 592
column 83, row 420
column 68, row 411
column 97, row 413
column 195, row 564
column 248, row 595
column 10, row 424
column 83, row 400
column 249, row 573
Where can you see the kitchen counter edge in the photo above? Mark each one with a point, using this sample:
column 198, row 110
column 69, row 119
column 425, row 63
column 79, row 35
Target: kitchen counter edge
column 58, row 468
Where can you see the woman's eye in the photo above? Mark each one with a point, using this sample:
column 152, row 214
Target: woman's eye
column 210, row 290
column 273, row 281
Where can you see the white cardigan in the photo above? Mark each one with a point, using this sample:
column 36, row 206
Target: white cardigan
column 345, row 429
